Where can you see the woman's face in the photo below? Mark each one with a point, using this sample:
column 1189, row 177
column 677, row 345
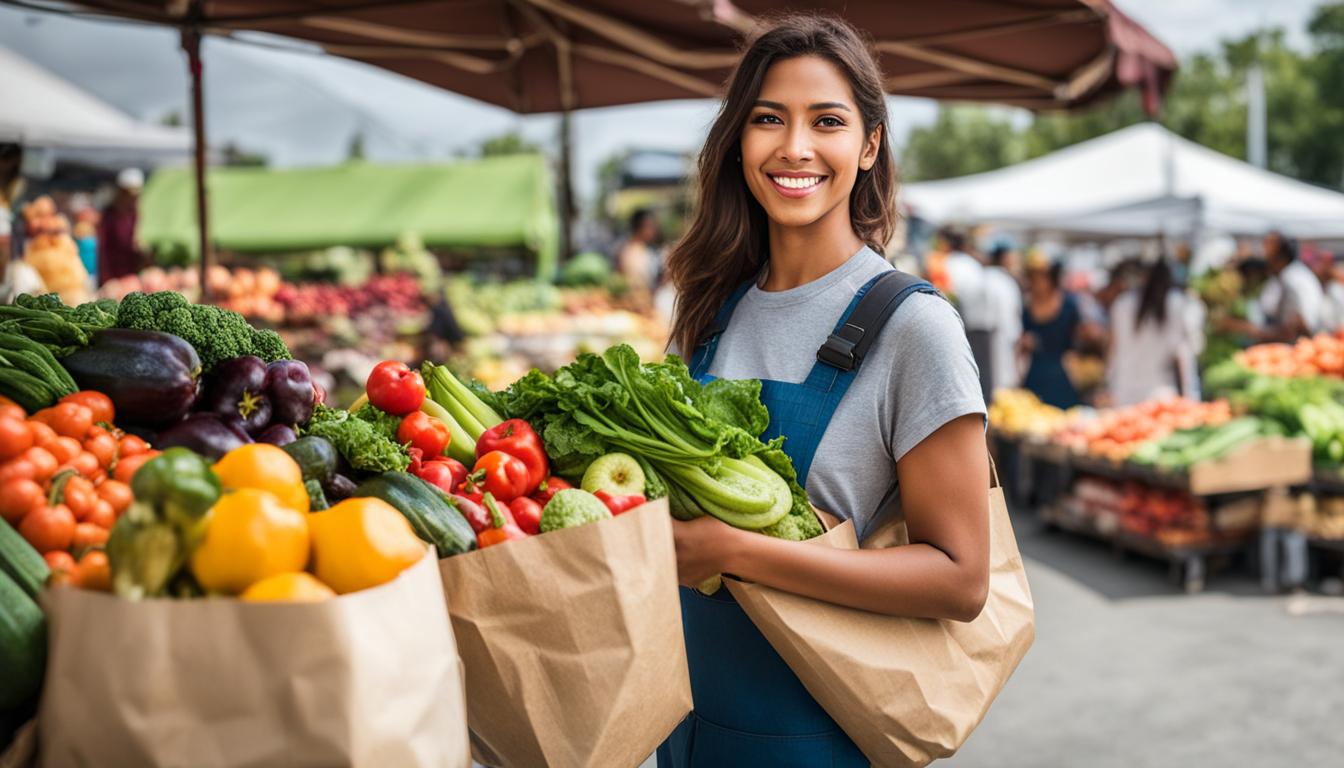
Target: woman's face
column 804, row 142
column 1038, row 282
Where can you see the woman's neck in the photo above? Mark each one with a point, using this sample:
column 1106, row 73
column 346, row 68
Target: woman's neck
column 799, row 255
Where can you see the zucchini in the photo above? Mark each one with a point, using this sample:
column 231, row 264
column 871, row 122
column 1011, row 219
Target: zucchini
column 21, row 562
column 316, row 457
column 430, row 511
column 23, row 644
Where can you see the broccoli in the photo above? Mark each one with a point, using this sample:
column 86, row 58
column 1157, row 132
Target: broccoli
column 102, row 313
column 47, row 302
column 217, row 334
column 570, row 508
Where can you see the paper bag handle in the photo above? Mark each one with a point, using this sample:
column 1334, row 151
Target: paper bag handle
column 993, row 472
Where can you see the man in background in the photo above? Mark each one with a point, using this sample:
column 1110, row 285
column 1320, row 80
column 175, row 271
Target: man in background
column 966, row 278
column 119, row 252
column 1004, row 295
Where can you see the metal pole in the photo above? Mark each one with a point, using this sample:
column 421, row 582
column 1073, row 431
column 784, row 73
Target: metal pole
column 566, row 188
column 191, row 43
column 1255, row 118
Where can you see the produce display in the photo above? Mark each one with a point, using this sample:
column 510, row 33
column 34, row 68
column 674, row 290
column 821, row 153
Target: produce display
column 1174, row 518
column 1185, row 447
column 1019, row 412
column 51, row 250
column 1321, row 355
column 1117, row 433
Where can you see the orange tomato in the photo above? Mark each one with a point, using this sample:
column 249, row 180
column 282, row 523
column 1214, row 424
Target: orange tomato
column 94, row 571
column 99, row 405
column 70, row 419
column 116, row 493
column 85, row 464
column 103, row 446
column 89, row 535
column 17, row 469
column 48, row 528
column 127, row 465
column 101, row 515
column 42, row 433
column 59, row 561
column 15, row 437
column 130, row 445
column 12, row 411
column 18, row 498
column 44, row 463
column 79, row 496
column 64, row 449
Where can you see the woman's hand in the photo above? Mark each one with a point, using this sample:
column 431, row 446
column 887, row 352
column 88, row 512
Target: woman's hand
column 705, row 547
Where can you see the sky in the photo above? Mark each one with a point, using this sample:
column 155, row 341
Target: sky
column 301, row 109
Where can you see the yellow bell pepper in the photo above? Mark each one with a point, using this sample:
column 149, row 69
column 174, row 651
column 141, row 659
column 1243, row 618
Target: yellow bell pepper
column 361, row 543
column 264, row 467
column 288, row 588
column 249, row 536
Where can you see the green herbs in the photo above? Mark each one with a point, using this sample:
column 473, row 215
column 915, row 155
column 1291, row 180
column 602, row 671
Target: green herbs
column 362, row 442
column 699, row 445
column 216, row 334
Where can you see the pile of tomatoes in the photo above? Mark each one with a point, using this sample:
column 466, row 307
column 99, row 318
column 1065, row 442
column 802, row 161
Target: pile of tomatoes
column 65, row 475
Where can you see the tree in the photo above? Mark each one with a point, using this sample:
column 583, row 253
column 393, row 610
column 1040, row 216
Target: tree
column 356, row 149
column 511, row 143
column 963, row 139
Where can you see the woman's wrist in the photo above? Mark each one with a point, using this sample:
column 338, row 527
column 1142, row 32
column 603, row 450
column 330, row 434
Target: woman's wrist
column 738, row 551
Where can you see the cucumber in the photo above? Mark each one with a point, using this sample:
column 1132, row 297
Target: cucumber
column 429, row 510
column 21, row 562
column 23, row 644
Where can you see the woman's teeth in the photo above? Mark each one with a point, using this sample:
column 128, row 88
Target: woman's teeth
column 791, row 182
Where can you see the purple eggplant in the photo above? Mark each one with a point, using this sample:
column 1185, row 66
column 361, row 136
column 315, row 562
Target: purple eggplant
column 339, row 488
column 278, row 434
column 205, row 433
column 237, row 387
column 150, row 376
column 289, row 386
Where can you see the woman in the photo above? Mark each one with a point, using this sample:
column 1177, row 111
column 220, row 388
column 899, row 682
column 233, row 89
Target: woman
column 796, row 192
column 1151, row 354
column 1050, row 321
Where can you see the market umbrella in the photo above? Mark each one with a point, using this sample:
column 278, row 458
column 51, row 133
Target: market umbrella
column 561, row 55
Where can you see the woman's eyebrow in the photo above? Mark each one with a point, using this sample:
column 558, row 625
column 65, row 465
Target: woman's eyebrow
column 812, row 108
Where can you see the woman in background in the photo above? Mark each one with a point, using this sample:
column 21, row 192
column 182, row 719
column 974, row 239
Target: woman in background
column 1151, row 352
column 1050, row 322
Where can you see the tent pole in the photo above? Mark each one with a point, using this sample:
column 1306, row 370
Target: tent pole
column 191, row 43
column 566, row 187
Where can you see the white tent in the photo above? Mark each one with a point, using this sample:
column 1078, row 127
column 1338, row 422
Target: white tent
column 1138, row 181
column 44, row 112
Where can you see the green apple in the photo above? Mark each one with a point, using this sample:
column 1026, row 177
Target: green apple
column 616, row 473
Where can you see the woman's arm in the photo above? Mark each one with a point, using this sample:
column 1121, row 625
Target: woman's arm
column 943, row 573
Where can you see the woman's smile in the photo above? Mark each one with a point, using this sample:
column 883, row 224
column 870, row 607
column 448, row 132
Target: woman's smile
column 795, row 184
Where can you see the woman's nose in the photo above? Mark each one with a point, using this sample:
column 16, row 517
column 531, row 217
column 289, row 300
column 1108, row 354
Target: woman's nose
column 797, row 144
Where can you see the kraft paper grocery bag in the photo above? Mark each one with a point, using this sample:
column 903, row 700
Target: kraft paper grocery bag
column 572, row 643
column 366, row 679
column 907, row 691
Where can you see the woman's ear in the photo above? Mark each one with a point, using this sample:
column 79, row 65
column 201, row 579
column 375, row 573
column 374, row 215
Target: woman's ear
column 870, row 149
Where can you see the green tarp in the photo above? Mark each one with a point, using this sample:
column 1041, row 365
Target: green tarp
column 493, row 202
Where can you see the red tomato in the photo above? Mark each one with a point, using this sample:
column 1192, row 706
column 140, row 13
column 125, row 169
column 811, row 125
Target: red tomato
column 425, row 432
column 394, row 388
column 15, row 437
column 18, row 498
column 44, row 463
column 48, row 528
column 99, row 405
column 88, row 535
column 127, row 465
column 17, row 469
column 116, row 493
column 70, row 419
column 95, row 571
column 64, row 449
column 500, row 474
column 103, row 446
column 102, row 514
column 130, row 445
column 42, row 433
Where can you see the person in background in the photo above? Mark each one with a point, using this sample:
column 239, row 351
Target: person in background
column 1151, row 353
column 1322, row 264
column 1004, row 295
column 1292, row 300
column 119, row 253
column 1050, row 323
column 16, row 275
column 966, row 278
column 636, row 261
column 86, row 236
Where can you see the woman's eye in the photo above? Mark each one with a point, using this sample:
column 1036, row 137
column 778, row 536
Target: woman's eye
column 763, row 119
column 830, row 122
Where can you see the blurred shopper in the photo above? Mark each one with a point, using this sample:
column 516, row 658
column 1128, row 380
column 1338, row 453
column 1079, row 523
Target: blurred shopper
column 1004, row 295
column 1293, row 301
column 1151, row 352
column 966, row 277
column 636, row 261
column 1322, row 264
column 16, row 275
column 1050, row 323
column 119, row 252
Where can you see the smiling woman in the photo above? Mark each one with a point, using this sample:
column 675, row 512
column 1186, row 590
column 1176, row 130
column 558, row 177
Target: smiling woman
column 880, row 410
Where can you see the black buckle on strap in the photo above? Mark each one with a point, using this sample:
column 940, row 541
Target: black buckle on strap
column 839, row 351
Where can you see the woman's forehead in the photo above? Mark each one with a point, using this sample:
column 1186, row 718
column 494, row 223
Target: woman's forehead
column 804, row 80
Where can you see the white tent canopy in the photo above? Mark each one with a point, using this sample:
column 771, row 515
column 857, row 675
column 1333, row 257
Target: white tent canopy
column 1138, row 181
column 42, row 111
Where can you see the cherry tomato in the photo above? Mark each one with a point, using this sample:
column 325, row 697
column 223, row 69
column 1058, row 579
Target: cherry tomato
column 64, row 449
column 95, row 572
column 79, row 496
column 48, row 528
column 99, row 405
column 394, row 388
column 18, row 498
column 425, row 432
column 102, row 514
column 127, row 465
column 103, row 446
column 116, row 493
column 130, row 445
column 44, row 463
column 17, row 469
column 70, row 419
column 15, row 437
column 42, row 433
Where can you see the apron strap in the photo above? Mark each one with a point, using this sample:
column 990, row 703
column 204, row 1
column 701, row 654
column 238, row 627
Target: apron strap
column 703, row 355
column 867, row 315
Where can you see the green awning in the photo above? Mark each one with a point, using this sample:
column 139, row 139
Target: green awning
column 492, row 202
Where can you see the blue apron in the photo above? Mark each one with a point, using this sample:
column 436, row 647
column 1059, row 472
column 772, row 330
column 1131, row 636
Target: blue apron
column 750, row 708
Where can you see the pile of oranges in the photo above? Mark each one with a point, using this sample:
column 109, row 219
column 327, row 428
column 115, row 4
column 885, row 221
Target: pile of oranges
column 65, row 475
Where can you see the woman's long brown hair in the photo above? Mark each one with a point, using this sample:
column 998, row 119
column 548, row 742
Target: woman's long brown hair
column 726, row 242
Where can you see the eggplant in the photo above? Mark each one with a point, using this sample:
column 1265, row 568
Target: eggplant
column 208, row 434
column 152, row 378
column 278, row 434
column 289, row 386
column 339, row 488
column 237, row 387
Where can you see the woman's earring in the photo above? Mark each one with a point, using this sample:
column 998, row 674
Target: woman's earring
column 739, row 158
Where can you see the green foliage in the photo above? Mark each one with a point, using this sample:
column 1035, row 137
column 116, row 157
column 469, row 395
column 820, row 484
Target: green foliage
column 511, row 143
column 963, row 139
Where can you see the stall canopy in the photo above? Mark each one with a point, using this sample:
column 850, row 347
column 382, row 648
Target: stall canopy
column 494, row 202
column 1142, row 180
column 42, row 111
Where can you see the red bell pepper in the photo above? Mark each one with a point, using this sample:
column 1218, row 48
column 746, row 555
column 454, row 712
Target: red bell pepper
column 425, row 432
column 527, row 514
column 619, row 504
column 501, row 528
column 444, row 473
column 517, row 438
column 500, row 474
column 549, row 487
column 473, row 511
column 394, row 388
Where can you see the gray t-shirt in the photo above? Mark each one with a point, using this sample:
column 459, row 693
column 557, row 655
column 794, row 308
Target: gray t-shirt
column 918, row 375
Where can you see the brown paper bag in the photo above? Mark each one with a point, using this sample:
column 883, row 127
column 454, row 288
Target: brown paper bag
column 367, row 679
column 906, row 691
column 572, row 643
